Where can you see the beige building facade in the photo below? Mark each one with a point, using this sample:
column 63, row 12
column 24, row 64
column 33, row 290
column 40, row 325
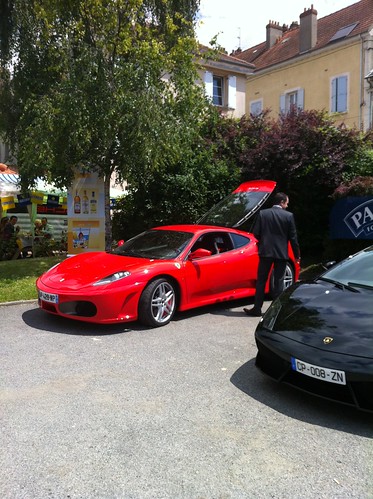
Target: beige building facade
column 324, row 64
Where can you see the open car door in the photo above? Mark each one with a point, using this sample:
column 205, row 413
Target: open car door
column 240, row 206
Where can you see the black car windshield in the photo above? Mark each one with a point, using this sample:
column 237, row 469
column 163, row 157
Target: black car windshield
column 233, row 210
column 157, row 244
column 356, row 271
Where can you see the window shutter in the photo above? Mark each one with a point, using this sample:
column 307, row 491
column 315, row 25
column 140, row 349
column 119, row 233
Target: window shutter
column 232, row 92
column 334, row 96
column 300, row 99
column 208, row 84
column 342, row 94
column 282, row 104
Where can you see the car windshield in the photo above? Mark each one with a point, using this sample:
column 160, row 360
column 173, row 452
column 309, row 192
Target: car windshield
column 233, row 210
column 157, row 244
column 356, row 271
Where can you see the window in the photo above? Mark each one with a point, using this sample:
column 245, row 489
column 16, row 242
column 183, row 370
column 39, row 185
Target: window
column 292, row 99
column 256, row 107
column 221, row 89
column 339, row 94
column 343, row 32
column 216, row 242
column 217, row 90
column 239, row 241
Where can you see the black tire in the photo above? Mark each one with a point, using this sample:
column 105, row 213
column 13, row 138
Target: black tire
column 288, row 279
column 157, row 304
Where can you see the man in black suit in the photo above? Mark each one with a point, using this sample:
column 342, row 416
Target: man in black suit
column 274, row 228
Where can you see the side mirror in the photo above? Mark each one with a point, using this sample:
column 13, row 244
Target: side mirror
column 199, row 253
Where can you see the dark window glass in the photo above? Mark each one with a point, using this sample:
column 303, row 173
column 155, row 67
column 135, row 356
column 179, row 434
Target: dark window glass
column 234, row 209
column 217, row 92
column 239, row 241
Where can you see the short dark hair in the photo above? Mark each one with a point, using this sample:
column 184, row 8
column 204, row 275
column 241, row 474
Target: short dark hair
column 13, row 217
column 280, row 197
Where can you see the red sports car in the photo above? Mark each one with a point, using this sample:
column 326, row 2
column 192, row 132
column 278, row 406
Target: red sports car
column 165, row 269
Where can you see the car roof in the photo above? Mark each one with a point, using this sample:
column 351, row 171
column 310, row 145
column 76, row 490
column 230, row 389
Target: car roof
column 195, row 228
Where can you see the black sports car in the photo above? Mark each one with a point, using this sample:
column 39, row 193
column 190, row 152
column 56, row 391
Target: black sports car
column 318, row 335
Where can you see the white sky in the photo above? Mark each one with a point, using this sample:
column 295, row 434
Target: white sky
column 246, row 20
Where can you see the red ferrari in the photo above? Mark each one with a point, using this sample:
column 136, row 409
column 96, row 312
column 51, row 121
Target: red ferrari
column 165, row 269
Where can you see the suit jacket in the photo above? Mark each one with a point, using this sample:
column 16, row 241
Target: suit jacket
column 274, row 228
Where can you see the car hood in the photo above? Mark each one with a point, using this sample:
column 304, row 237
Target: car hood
column 240, row 205
column 83, row 270
column 312, row 311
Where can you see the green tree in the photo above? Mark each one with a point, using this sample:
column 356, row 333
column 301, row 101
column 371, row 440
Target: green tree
column 186, row 189
column 105, row 85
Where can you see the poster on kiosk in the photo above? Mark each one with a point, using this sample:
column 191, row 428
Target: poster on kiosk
column 86, row 214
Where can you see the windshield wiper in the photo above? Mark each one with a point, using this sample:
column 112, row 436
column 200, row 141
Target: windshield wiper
column 360, row 285
column 129, row 253
column 339, row 285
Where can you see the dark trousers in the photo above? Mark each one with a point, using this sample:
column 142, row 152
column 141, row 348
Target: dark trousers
column 265, row 264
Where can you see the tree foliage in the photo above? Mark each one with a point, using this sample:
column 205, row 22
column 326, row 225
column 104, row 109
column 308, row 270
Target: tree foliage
column 185, row 190
column 358, row 186
column 107, row 85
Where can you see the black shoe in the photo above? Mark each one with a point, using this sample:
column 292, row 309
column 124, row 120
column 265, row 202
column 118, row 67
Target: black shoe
column 252, row 312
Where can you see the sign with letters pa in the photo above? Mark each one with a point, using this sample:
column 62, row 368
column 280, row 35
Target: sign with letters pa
column 352, row 218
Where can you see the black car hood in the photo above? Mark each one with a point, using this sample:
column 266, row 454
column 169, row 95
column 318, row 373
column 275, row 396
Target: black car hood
column 312, row 311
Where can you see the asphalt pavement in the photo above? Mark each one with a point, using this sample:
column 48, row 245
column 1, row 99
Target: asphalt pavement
column 122, row 411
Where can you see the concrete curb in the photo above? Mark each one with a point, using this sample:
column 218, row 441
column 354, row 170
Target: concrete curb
column 19, row 302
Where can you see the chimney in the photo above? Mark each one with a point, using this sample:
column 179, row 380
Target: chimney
column 274, row 31
column 308, row 29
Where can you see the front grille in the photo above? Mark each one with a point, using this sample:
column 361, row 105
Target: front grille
column 49, row 307
column 79, row 308
column 331, row 391
column 271, row 364
column 363, row 392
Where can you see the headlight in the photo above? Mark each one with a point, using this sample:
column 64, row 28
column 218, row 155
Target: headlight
column 112, row 278
column 271, row 315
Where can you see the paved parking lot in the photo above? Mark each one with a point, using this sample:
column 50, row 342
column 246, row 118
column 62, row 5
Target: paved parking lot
column 175, row 412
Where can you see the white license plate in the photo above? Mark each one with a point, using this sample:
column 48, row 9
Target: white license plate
column 48, row 297
column 323, row 373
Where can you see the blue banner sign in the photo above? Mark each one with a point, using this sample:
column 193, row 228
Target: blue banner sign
column 53, row 200
column 352, row 218
column 23, row 200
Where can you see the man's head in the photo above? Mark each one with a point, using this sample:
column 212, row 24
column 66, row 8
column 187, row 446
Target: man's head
column 281, row 199
column 13, row 219
column 44, row 221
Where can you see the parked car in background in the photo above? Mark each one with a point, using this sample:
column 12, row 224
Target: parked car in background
column 165, row 269
column 318, row 335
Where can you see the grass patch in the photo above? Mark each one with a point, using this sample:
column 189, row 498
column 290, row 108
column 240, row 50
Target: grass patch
column 18, row 277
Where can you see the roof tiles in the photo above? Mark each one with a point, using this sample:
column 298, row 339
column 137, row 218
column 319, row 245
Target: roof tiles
column 287, row 46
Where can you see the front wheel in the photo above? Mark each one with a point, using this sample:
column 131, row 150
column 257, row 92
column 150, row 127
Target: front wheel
column 157, row 303
column 289, row 278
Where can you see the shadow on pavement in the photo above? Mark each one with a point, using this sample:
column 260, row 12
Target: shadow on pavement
column 40, row 320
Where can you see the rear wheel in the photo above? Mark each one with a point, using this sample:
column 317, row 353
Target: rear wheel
column 288, row 279
column 157, row 303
